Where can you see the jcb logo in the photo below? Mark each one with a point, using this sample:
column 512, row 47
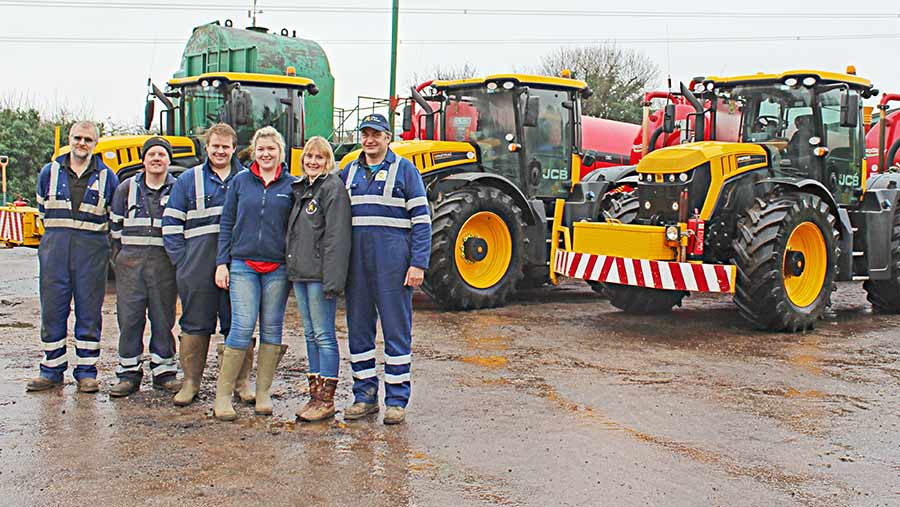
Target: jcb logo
column 848, row 180
column 555, row 174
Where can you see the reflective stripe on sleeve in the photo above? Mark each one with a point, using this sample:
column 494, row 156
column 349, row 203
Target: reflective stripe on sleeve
column 200, row 231
column 416, row 201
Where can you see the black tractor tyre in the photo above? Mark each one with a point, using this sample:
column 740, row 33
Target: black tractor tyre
column 643, row 300
column 762, row 237
column 630, row 299
column 443, row 282
column 885, row 294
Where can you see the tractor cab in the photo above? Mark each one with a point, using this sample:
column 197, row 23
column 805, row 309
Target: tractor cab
column 245, row 101
column 807, row 121
column 524, row 128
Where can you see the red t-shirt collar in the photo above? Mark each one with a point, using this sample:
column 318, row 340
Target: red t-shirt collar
column 254, row 168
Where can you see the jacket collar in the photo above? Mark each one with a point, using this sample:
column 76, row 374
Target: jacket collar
column 140, row 177
column 95, row 166
column 236, row 167
column 389, row 157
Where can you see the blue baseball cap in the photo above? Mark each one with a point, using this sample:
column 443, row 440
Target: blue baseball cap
column 375, row 121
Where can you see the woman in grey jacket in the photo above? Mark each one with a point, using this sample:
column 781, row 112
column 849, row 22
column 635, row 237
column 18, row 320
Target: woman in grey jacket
column 318, row 254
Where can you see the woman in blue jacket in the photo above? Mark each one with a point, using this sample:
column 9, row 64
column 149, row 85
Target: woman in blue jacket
column 250, row 264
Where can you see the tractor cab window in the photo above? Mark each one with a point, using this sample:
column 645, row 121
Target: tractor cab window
column 777, row 116
column 548, row 144
column 255, row 107
column 246, row 108
column 202, row 106
column 843, row 161
column 486, row 117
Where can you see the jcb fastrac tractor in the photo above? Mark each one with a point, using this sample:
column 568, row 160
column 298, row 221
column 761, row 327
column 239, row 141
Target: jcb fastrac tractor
column 499, row 151
column 776, row 218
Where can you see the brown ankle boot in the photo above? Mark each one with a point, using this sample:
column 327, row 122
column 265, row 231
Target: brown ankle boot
column 325, row 406
column 315, row 384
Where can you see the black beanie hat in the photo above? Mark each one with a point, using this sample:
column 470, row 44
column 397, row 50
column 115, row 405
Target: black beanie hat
column 157, row 141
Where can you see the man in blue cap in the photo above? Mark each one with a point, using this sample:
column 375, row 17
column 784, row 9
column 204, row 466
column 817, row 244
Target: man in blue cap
column 391, row 249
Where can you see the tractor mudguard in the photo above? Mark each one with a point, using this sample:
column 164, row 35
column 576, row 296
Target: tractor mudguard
column 809, row 186
column 614, row 174
column 459, row 180
column 586, row 199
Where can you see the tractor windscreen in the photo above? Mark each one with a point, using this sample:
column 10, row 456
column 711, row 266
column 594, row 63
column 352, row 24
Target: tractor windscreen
column 247, row 108
column 768, row 113
column 487, row 117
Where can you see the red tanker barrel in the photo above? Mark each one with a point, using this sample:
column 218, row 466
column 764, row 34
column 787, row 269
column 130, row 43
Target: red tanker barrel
column 612, row 140
column 892, row 134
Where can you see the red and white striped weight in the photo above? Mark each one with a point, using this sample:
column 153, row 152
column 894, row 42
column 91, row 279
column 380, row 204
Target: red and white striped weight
column 11, row 227
column 646, row 273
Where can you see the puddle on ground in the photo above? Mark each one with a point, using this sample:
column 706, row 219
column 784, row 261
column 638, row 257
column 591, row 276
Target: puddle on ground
column 486, row 361
column 806, row 354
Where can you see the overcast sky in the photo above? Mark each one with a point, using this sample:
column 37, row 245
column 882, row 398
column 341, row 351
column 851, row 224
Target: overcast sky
column 46, row 57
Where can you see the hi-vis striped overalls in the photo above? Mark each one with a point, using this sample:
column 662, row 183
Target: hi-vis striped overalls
column 145, row 281
column 191, row 236
column 74, row 262
column 391, row 232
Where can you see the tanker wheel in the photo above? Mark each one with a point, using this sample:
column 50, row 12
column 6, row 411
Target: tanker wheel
column 630, row 299
column 786, row 257
column 477, row 245
column 621, row 206
column 885, row 294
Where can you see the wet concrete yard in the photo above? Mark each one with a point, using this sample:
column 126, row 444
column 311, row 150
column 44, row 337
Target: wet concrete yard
column 557, row 399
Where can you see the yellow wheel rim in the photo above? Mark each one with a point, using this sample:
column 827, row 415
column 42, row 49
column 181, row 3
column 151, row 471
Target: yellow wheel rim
column 805, row 264
column 483, row 250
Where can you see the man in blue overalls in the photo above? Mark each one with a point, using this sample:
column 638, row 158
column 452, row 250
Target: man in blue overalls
column 145, row 277
column 72, row 196
column 391, row 250
column 191, row 237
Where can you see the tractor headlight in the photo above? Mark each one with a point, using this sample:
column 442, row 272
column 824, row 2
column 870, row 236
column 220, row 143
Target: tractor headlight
column 809, row 81
column 674, row 206
column 683, row 177
column 671, row 178
column 646, row 204
column 672, row 233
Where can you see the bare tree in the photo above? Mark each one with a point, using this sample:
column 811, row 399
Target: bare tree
column 617, row 76
column 463, row 71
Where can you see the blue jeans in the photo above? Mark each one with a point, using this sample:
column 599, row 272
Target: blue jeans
column 318, row 315
column 256, row 296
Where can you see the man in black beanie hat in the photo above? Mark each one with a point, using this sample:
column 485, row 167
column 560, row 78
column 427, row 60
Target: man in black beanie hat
column 145, row 277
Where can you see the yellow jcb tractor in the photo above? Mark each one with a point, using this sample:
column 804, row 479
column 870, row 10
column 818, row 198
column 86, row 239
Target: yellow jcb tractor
column 775, row 218
column 502, row 148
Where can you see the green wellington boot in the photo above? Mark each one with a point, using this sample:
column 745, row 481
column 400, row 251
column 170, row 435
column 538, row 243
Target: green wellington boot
column 242, row 386
column 269, row 357
column 232, row 360
column 193, row 361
